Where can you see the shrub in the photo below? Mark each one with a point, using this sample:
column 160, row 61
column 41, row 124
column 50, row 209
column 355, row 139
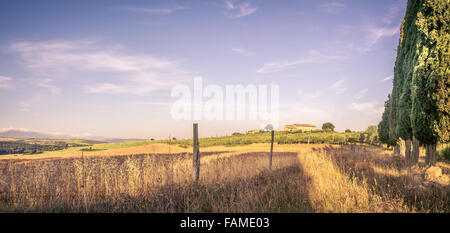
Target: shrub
column 444, row 153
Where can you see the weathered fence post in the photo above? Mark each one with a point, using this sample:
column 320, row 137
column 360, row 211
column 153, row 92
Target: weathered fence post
column 196, row 156
column 271, row 151
column 169, row 143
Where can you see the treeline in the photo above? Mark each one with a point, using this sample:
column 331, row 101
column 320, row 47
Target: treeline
column 418, row 110
column 369, row 136
column 22, row 147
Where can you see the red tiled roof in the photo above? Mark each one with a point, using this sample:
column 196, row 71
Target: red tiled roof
column 304, row 125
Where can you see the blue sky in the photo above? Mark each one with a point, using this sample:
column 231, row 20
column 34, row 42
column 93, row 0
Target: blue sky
column 107, row 67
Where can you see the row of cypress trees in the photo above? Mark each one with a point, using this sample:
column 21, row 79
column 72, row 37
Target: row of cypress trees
column 418, row 109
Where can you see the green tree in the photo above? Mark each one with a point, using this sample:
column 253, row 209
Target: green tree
column 328, row 126
column 372, row 134
column 362, row 137
column 430, row 102
column 372, row 130
column 392, row 124
column 348, row 131
column 403, row 73
column 268, row 127
column 383, row 126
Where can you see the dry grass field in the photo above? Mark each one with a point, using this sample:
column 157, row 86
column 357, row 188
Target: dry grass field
column 157, row 178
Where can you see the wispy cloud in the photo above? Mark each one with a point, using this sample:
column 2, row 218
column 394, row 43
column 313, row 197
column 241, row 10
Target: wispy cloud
column 390, row 77
column 332, row 6
column 313, row 57
column 305, row 112
column 160, row 104
column 390, row 28
column 127, row 73
column 238, row 10
column 5, row 82
column 314, row 95
column 242, row 51
column 361, row 93
column 338, row 87
column 156, row 11
column 308, row 96
column 368, row 108
column 375, row 34
column 46, row 83
column 24, row 106
column 394, row 10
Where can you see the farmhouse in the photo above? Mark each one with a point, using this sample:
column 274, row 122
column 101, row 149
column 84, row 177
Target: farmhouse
column 302, row 127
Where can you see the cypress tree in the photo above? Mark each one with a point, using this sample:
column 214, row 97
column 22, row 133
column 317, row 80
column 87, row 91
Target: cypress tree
column 430, row 102
column 383, row 126
column 392, row 121
column 396, row 91
column 403, row 73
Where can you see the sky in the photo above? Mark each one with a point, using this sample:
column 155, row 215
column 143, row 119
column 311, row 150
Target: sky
column 107, row 68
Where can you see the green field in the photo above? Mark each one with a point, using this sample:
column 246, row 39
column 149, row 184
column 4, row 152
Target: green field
column 36, row 146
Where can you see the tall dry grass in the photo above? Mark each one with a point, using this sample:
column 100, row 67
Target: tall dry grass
column 304, row 178
column 83, row 184
column 375, row 181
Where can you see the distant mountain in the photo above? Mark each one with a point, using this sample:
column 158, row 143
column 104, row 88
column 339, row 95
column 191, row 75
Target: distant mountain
column 19, row 133
column 23, row 133
column 113, row 140
column 117, row 140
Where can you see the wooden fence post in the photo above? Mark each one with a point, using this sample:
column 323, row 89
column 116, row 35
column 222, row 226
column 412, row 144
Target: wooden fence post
column 169, row 143
column 271, row 152
column 196, row 156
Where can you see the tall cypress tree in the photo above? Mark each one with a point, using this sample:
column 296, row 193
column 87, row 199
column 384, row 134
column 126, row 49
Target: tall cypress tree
column 396, row 92
column 430, row 102
column 392, row 121
column 383, row 126
column 403, row 72
column 392, row 116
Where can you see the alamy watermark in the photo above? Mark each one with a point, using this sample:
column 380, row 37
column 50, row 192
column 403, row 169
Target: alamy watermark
column 231, row 102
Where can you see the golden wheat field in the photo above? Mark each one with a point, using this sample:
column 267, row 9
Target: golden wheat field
column 157, row 178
